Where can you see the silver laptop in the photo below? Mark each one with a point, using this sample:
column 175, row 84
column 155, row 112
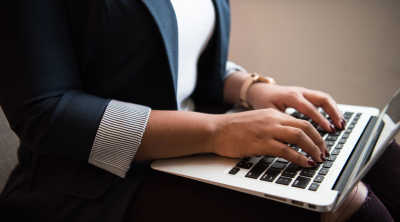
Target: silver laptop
column 323, row 188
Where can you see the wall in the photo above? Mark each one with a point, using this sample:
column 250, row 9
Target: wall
column 350, row 49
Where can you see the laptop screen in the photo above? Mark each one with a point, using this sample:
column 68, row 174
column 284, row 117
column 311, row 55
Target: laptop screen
column 393, row 110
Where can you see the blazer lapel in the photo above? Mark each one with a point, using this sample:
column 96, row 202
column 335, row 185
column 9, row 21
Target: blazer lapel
column 165, row 18
column 222, row 33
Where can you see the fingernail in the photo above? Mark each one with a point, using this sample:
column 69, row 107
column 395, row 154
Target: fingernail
column 343, row 123
column 323, row 157
column 327, row 153
column 311, row 163
column 333, row 130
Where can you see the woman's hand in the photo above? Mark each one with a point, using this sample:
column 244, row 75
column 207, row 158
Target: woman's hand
column 261, row 95
column 265, row 132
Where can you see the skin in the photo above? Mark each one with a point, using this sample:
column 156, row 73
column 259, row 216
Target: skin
column 257, row 132
column 263, row 131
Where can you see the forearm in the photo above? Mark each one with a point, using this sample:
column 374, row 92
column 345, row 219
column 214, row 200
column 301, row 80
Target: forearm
column 176, row 133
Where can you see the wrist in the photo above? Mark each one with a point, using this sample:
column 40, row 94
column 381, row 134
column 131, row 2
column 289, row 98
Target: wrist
column 253, row 79
column 254, row 94
column 216, row 123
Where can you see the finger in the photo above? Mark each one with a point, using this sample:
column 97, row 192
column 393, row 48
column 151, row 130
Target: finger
column 308, row 109
column 310, row 130
column 297, row 136
column 284, row 151
column 328, row 104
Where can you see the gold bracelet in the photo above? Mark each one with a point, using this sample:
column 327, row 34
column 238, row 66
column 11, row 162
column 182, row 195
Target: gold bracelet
column 253, row 78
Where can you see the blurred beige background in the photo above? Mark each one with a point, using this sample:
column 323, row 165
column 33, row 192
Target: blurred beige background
column 348, row 48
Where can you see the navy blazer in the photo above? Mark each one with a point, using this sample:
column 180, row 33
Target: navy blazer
column 71, row 58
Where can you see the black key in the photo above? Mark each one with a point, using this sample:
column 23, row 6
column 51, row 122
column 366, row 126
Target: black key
column 334, row 134
column 307, row 173
column 342, row 141
column 293, row 168
column 281, row 160
column 284, row 180
column 268, row 159
column 348, row 114
column 244, row 164
column 345, row 136
column 331, row 138
column 290, row 174
column 358, row 114
column 256, row 171
column 278, row 165
column 319, row 178
column 339, row 146
column 330, row 143
column 314, row 187
column 348, row 131
column 331, row 157
column 234, row 170
column 301, row 182
column 356, row 118
column 270, row 175
column 324, row 171
column 335, row 151
column 328, row 164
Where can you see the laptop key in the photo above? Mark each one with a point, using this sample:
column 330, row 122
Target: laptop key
column 244, row 164
column 234, row 170
column 323, row 171
column 256, row 171
column 281, row 160
column 314, row 187
column 284, row 180
column 293, row 168
column 270, row 175
column 335, row 151
column 331, row 138
column 319, row 178
column 307, row 173
column 334, row 134
column 342, row 141
column 331, row 157
column 328, row 164
column 301, row 182
column 339, row 146
column 330, row 143
column 278, row 165
column 289, row 174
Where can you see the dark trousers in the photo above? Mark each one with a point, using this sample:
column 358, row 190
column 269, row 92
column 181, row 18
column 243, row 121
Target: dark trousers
column 167, row 197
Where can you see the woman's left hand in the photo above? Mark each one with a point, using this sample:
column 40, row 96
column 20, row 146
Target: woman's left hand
column 306, row 101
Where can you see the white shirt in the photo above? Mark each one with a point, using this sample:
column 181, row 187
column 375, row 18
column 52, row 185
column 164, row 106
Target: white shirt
column 196, row 22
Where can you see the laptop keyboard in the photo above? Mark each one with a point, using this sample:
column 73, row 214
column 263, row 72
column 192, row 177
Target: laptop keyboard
column 280, row 171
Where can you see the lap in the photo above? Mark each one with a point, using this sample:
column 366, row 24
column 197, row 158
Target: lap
column 166, row 196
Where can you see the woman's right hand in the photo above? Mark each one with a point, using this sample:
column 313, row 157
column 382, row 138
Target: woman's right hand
column 265, row 132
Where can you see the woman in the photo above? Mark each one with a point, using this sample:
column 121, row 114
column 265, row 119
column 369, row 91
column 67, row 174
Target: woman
column 102, row 90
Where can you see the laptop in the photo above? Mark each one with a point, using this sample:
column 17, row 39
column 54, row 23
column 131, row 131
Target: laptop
column 353, row 151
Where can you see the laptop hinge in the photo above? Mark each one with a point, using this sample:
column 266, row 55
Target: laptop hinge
column 355, row 155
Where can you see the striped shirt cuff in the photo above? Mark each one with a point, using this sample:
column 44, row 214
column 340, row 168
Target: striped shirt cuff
column 119, row 136
column 232, row 67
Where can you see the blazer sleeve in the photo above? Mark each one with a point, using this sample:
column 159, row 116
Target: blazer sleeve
column 45, row 101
